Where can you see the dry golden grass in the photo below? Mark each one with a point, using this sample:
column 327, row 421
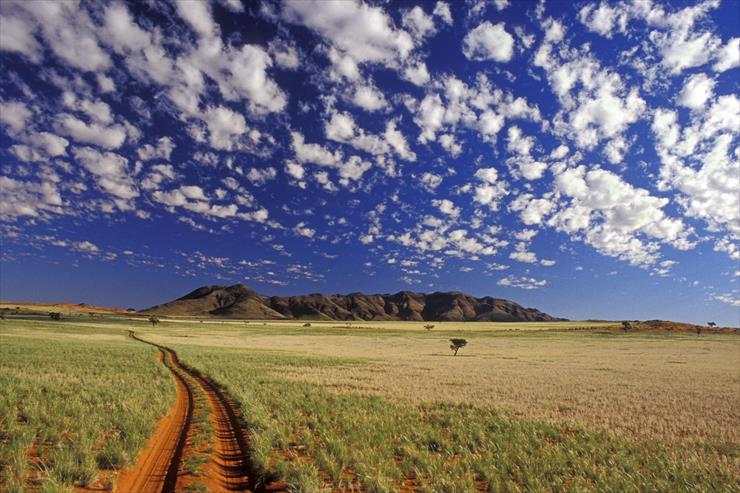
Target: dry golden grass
column 674, row 388
column 67, row 309
column 399, row 325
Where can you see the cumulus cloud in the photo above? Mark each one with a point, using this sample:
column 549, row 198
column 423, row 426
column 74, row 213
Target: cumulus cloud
column 17, row 36
column 442, row 10
column 728, row 56
column 489, row 42
column 447, row 207
column 28, row 198
column 67, row 30
column 699, row 163
column 490, row 190
column 261, row 176
column 101, row 135
column 697, row 90
column 369, row 98
column 14, row 115
column 361, row 31
column 522, row 282
column 162, row 150
column 225, row 128
column 614, row 217
column 110, row 170
column 302, row 230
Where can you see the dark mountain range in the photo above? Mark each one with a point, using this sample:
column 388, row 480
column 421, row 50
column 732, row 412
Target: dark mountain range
column 239, row 301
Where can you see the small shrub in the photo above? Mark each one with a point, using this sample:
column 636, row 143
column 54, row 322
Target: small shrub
column 457, row 344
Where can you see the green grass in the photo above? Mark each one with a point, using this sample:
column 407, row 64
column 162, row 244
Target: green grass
column 83, row 404
column 87, row 399
column 309, row 436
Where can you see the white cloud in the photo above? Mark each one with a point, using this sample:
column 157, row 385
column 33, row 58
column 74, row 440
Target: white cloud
column 430, row 181
column 560, row 152
column 46, row 145
column 521, row 282
column 69, row 33
column 398, row 142
column 109, row 137
column 603, row 19
column 15, row 115
column 532, row 210
column 105, row 83
column 489, row 42
column 520, row 254
column 730, row 299
column 364, row 32
column 447, row 207
column 491, row 190
column 728, row 56
column 417, row 73
column 110, row 171
column 418, row 22
column 369, row 98
column 198, row 15
column 285, row 55
column 615, row 217
column 302, row 230
column 615, row 150
column 225, row 128
column 143, row 54
column 501, row 4
column 697, row 90
column 27, row 198
column 17, row 36
column 442, row 10
column 294, row 170
column 313, row 153
column 163, row 150
column 86, row 247
column 262, row 175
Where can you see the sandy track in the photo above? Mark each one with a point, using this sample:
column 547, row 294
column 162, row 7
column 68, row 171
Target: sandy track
column 156, row 469
column 229, row 468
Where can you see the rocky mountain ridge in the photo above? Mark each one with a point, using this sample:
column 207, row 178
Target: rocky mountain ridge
column 239, row 301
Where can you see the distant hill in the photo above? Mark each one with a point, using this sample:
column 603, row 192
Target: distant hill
column 239, row 301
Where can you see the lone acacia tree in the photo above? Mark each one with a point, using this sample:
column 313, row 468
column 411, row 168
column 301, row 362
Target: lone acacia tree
column 55, row 315
column 429, row 326
column 626, row 326
column 711, row 324
column 153, row 320
column 457, row 344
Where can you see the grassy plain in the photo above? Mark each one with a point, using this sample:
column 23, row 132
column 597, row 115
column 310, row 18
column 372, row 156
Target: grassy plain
column 385, row 407
column 74, row 403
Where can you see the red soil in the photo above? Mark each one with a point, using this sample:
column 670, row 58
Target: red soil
column 229, row 466
column 156, row 469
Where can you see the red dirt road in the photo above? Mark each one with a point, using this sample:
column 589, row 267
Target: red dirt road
column 156, row 470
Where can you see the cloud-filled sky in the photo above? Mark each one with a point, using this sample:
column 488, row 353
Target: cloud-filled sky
column 579, row 157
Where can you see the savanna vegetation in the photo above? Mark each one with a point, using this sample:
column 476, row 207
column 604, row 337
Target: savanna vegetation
column 387, row 408
column 74, row 402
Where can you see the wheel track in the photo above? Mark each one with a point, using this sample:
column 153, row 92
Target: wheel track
column 156, row 469
column 229, row 469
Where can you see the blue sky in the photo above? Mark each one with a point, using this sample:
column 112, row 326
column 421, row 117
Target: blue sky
column 582, row 158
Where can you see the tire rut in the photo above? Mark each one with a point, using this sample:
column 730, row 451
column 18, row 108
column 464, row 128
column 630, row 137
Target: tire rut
column 157, row 467
column 230, row 467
